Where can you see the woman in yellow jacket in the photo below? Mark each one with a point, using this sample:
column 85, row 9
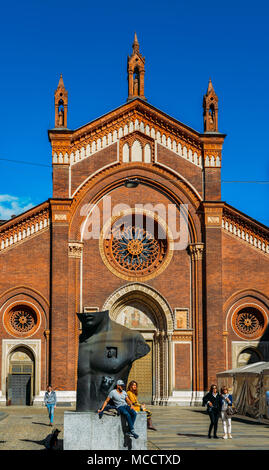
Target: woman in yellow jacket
column 132, row 392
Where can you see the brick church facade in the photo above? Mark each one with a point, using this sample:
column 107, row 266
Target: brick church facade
column 136, row 225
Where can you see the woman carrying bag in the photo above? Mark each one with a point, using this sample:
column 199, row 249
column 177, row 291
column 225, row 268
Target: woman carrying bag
column 132, row 392
column 226, row 403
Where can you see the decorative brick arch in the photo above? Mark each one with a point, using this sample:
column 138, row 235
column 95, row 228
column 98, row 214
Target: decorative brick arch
column 249, row 296
column 177, row 192
column 155, row 301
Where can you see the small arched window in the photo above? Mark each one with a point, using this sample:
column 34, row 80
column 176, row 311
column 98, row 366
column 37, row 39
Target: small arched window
column 136, row 151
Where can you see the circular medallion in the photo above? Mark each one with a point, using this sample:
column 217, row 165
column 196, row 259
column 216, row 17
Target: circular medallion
column 136, row 245
column 249, row 322
column 21, row 320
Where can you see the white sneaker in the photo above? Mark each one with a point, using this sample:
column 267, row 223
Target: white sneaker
column 225, row 436
column 230, row 436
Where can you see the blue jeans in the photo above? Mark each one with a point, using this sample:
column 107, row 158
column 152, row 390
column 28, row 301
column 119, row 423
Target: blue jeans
column 51, row 412
column 129, row 414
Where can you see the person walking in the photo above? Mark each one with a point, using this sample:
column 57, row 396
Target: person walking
column 213, row 402
column 132, row 392
column 226, row 401
column 50, row 400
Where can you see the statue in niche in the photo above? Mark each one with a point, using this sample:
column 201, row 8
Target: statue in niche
column 61, row 118
column 107, row 351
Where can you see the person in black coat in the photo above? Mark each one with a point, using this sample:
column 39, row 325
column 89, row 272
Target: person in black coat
column 213, row 402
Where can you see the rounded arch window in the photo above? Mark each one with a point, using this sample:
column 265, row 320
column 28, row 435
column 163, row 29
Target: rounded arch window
column 21, row 320
column 249, row 322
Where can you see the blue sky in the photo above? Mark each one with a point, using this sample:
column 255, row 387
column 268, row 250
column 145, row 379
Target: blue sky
column 184, row 43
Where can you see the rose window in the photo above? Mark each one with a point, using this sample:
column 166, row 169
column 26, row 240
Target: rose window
column 134, row 246
column 21, row 321
column 249, row 322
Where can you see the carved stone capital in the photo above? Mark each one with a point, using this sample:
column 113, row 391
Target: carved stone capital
column 196, row 251
column 47, row 334
column 75, row 249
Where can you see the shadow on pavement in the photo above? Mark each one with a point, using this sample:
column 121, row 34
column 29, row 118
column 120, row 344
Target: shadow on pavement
column 42, row 443
column 41, row 424
column 191, row 435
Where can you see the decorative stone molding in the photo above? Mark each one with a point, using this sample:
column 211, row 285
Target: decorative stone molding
column 172, row 136
column 238, row 347
column 75, row 249
column 184, row 336
column 9, row 346
column 196, row 251
column 213, row 216
column 159, row 305
column 241, row 227
column 23, row 228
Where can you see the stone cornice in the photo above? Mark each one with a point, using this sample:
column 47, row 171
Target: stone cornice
column 247, row 229
column 143, row 108
column 24, row 226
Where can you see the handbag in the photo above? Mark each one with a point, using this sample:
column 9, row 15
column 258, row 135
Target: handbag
column 231, row 410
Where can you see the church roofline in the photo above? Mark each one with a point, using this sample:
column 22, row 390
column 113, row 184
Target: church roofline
column 142, row 104
column 24, row 215
column 237, row 213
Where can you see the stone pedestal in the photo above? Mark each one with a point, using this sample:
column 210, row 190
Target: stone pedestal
column 85, row 431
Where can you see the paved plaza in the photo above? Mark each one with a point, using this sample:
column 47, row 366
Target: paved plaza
column 178, row 428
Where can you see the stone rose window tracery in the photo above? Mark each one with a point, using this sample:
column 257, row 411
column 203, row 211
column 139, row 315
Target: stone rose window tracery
column 21, row 320
column 249, row 322
column 135, row 245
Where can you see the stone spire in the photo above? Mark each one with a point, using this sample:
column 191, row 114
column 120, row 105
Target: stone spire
column 210, row 105
column 136, row 73
column 60, row 103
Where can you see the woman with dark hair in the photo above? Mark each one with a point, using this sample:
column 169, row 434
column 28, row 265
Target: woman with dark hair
column 213, row 402
column 132, row 392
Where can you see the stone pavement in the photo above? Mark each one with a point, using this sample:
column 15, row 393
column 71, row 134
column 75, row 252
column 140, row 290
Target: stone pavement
column 178, row 428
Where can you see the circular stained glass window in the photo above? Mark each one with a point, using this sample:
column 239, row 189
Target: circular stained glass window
column 21, row 320
column 249, row 322
column 135, row 245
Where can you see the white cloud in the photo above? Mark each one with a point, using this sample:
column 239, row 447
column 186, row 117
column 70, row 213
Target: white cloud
column 13, row 205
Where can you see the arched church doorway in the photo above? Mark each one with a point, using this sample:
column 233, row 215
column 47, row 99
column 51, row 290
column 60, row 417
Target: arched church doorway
column 248, row 356
column 139, row 307
column 20, row 380
column 136, row 315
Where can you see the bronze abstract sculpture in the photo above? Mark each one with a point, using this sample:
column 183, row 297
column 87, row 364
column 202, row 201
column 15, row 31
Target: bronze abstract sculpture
column 107, row 351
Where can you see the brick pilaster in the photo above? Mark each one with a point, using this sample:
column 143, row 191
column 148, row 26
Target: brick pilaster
column 213, row 290
column 59, row 294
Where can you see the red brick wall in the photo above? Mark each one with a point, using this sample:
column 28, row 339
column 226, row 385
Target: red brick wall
column 82, row 170
column 188, row 170
column 243, row 267
column 245, row 274
column 61, row 181
column 25, row 271
column 182, row 366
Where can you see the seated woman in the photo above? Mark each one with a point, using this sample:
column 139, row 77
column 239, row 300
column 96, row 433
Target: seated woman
column 132, row 392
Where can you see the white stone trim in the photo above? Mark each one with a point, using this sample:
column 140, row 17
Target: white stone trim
column 24, row 234
column 239, row 232
column 186, row 398
column 114, row 136
column 9, row 345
